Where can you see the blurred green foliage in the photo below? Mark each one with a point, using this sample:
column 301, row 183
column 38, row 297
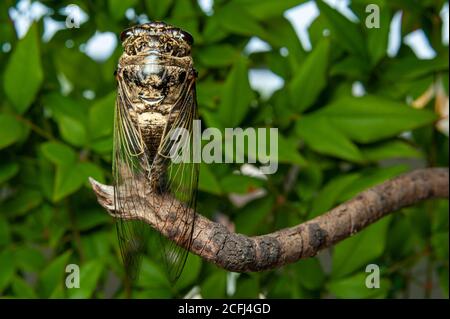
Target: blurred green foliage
column 332, row 146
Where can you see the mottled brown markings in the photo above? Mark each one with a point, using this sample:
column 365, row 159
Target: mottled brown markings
column 317, row 236
column 268, row 251
column 236, row 252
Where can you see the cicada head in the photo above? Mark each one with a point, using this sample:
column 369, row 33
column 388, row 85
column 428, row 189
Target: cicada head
column 156, row 64
column 156, row 36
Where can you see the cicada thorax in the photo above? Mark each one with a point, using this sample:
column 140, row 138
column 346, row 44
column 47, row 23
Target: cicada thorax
column 156, row 69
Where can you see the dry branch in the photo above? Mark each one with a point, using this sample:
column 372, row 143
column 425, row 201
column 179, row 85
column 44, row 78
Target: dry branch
column 240, row 253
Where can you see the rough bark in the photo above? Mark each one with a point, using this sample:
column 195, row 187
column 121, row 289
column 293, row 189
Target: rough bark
column 240, row 253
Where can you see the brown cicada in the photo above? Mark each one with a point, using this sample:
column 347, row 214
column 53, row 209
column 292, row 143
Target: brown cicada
column 156, row 95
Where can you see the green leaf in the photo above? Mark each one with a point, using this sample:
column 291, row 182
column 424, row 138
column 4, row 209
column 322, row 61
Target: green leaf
column 191, row 272
column 213, row 31
column 152, row 276
column 352, row 67
column 56, row 234
column 288, row 151
column 372, row 118
column 58, row 153
column 208, row 181
column 11, row 130
column 378, row 38
column 71, row 116
column 216, row 56
column 87, row 169
column 157, row 9
column 97, row 245
column 390, row 149
column 7, row 268
column 440, row 217
column 236, row 95
column 439, row 242
column 58, row 293
column 72, row 130
column 397, row 245
column 89, row 219
column 8, row 30
column 68, row 180
column 212, row 118
column 208, row 92
column 8, row 171
column 266, row 9
column 309, row 181
column 322, row 136
column 284, row 287
column 117, row 8
column 317, row 31
column 5, row 233
column 215, row 285
column 310, row 273
column 101, row 116
column 358, row 251
column 235, row 18
column 247, row 287
column 329, row 194
column 52, row 276
column 346, row 32
column 282, row 34
column 46, row 177
column 355, row 287
column 23, row 74
column 22, row 202
column 103, row 146
column 70, row 175
column 412, row 68
column 78, row 69
column 22, row 289
column 156, row 293
column 60, row 105
column 240, row 184
column 89, row 276
column 29, row 259
column 250, row 217
column 443, row 280
column 282, row 112
column 311, row 78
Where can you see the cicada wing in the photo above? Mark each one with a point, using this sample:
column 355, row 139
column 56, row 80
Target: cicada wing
column 171, row 180
column 178, row 188
column 131, row 166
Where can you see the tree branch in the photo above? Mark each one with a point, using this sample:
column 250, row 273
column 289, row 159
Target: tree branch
column 239, row 253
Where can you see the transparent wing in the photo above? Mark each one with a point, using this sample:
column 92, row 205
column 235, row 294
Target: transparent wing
column 131, row 166
column 179, row 183
column 169, row 176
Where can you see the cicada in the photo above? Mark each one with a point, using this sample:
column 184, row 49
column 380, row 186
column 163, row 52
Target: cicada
column 156, row 96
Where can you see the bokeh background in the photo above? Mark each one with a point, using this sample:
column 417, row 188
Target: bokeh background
column 354, row 106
